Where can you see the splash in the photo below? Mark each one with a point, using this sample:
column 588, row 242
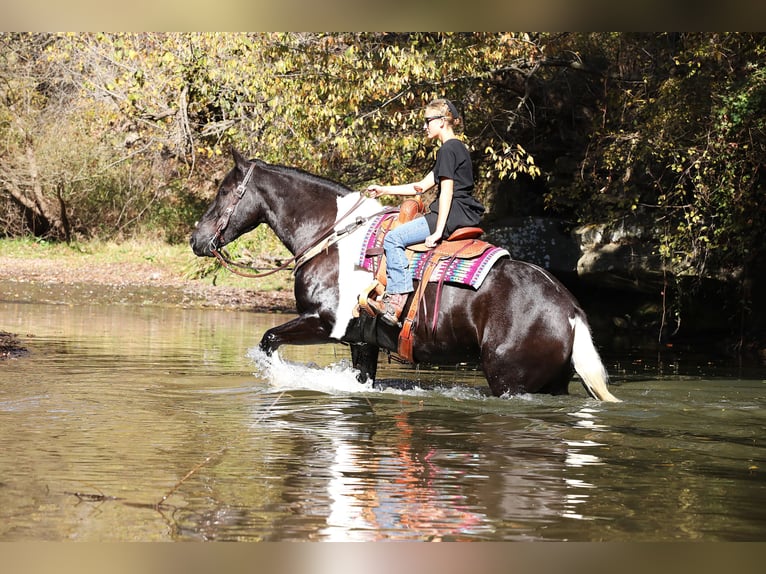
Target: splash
column 340, row 378
column 286, row 375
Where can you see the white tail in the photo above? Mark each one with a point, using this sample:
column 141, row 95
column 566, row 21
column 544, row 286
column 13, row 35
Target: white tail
column 588, row 365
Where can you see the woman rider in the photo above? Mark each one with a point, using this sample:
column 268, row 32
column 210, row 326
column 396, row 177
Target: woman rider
column 454, row 206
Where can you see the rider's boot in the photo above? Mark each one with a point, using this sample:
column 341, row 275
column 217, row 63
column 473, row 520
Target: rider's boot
column 389, row 307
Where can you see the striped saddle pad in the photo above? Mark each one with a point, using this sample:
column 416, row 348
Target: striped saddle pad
column 466, row 264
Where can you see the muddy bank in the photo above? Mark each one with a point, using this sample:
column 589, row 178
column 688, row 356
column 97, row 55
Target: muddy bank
column 50, row 281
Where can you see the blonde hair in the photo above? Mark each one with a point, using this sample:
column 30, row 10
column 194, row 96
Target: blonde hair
column 447, row 109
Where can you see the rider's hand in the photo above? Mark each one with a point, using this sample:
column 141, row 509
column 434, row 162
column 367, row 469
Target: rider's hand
column 433, row 239
column 372, row 191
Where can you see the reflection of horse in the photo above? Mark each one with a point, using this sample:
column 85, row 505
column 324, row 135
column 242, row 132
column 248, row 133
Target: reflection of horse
column 523, row 327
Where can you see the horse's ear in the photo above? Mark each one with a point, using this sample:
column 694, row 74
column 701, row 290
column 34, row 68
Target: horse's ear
column 239, row 159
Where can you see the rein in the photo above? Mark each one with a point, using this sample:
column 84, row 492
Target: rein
column 329, row 237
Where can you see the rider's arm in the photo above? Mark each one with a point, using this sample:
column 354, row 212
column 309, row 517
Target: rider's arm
column 404, row 189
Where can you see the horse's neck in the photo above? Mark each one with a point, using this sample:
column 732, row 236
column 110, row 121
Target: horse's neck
column 300, row 214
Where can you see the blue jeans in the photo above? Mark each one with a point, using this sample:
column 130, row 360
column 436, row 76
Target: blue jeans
column 398, row 274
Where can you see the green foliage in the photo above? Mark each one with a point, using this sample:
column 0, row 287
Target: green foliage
column 143, row 122
column 681, row 139
column 332, row 103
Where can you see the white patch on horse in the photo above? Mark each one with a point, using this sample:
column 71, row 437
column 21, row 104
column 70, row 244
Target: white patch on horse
column 352, row 279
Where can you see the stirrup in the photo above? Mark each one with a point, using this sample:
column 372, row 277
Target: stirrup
column 390, row 320
column 390, row 312
column 367, row 299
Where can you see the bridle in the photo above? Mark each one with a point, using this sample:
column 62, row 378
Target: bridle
column 329, row 237
column 223, row 221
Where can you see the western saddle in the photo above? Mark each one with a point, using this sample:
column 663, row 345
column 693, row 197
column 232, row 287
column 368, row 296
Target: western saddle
column 462, row 243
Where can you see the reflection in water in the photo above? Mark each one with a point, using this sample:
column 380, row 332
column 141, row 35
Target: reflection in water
column 577, row 489
column 424, row 474
column 119, row 408
column 393, row 493
column 587, row 419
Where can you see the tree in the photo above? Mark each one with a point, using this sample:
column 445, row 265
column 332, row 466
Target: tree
column 678, row 142
column 164, row 107
column 24, row 94
column 680, row 136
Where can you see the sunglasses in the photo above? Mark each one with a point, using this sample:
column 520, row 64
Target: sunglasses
column 428, row 120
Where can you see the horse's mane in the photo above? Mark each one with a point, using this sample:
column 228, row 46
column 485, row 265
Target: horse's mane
column 311, row 178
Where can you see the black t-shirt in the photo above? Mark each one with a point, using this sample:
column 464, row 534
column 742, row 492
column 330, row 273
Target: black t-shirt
column 453, row 162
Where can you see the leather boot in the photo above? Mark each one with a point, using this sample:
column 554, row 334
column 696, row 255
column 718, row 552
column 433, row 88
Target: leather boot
column 390, row 307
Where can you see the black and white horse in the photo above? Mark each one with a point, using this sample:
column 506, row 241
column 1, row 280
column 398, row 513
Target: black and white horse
column 522, row 326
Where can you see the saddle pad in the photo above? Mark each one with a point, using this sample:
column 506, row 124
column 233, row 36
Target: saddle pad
column 470, row 272
column 373, row 240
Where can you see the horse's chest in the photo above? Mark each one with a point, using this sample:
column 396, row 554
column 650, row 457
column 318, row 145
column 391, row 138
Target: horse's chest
column 350, row 279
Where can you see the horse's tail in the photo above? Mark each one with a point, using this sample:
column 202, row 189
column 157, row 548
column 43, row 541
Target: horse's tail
column 587, row 363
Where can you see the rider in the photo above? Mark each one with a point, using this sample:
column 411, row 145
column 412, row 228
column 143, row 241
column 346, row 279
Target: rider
column 454, row 206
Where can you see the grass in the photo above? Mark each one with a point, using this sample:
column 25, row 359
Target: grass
column 176, row 259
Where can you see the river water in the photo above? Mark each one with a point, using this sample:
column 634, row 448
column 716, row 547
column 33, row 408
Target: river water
column 143, row 423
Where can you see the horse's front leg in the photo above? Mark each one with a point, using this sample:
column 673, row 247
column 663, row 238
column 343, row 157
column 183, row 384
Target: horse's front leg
column 303, row 330
column 364, row 357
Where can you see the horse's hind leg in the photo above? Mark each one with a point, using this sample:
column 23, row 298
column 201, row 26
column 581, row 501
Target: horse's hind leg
column 504, row 379
column 364, row 357
column 560, row 384
column 513, row 373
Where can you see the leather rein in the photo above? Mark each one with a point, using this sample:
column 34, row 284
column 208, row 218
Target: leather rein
column 329, row 237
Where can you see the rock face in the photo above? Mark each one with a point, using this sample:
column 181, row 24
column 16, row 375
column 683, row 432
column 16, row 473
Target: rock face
column 619, row 281
column 619, row 257
column 542, row 241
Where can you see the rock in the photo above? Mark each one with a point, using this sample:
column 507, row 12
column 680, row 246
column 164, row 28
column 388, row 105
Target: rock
column 611, row 271
column 542, row 241
column 618, row 256
column 10, row 346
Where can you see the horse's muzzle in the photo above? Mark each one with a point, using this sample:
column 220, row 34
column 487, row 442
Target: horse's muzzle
column 202, row 247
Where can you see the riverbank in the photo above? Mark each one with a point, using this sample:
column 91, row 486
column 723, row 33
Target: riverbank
column 52, row 281
column 150, row 273
column 129, row 274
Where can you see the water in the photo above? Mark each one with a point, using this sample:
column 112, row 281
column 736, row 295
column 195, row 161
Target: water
column 140, row 423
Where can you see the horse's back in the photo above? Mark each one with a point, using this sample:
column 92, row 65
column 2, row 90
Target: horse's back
column 519, row 288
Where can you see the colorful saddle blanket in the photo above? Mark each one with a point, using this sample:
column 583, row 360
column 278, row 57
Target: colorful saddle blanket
column 463, row 270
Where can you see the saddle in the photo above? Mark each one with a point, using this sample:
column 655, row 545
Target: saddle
column 461, row 244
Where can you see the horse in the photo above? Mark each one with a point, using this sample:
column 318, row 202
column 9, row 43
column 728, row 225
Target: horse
column 522, row 326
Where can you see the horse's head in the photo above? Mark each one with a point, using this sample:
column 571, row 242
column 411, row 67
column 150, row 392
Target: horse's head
column 234, row 211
